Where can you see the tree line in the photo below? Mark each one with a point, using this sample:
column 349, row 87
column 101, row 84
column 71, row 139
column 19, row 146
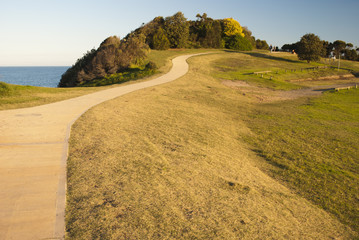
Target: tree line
column 312, row 48
column 116, row 55
column 177, row 32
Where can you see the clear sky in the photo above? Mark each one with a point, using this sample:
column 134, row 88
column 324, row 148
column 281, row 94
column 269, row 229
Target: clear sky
column 57, row 32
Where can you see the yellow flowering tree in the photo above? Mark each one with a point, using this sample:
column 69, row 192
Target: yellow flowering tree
column 232, row 27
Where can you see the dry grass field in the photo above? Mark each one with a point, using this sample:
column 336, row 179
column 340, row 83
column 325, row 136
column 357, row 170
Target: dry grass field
column 186, row 160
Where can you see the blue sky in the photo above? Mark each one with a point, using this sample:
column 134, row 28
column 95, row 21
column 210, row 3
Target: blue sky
column 57, row 32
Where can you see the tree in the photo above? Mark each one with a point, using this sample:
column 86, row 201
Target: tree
column 327, row 49
column 160, row 40
column 350, row 46
column 290, row 47
column 213, row 38
column 205, row 32
column 310, row 48
column 177, row 30
column 133, row 50
column 150, row 29
column 339, row 46
column 231, row 27
column 350, row 54
column 238, row 42
column 262, row 44
column 248, row 35
column 113, row 56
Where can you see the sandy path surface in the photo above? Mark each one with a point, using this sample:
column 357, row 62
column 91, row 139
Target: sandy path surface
column 33, row 154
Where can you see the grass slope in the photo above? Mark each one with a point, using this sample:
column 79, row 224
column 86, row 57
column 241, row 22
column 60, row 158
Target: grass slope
column 171, row 162
column 312, row 145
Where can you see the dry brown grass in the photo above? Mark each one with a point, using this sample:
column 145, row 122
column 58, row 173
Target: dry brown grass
column 167, row 163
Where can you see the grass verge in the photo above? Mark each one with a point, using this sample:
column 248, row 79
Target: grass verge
column 17, row 96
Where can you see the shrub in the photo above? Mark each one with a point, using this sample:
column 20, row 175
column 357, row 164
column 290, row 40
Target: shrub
column 151, row 66
column 5, row 89
column 160, row 40
column 237, row 42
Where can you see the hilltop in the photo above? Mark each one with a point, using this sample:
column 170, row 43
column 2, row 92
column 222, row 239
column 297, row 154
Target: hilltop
column 118, row 60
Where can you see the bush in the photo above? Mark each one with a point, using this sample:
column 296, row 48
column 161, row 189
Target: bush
column 117, row 78
column 237, row 42
column 151, row 66
column 5, row 89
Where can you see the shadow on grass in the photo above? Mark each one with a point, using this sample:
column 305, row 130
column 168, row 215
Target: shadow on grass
column 266, row 56
column 356, row 74
column 261, row 55
column 272, row 162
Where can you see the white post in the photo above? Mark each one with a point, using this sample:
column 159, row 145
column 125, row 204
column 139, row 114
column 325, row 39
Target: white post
column 339, row 62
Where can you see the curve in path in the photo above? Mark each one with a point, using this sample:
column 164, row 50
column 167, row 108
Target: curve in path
column 33, row 154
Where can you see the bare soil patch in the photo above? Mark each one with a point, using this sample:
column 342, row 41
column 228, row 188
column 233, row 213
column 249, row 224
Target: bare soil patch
column 335, row 77
column 235, row 84
column 269, row 95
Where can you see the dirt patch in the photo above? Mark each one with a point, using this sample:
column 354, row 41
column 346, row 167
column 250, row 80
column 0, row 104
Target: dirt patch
column 235, row 84
column 265, row 95
column 333, row 77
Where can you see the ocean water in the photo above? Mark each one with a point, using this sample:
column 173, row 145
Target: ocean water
column 32, row 76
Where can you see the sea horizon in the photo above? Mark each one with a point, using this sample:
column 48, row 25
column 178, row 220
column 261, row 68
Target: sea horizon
column 38, row 76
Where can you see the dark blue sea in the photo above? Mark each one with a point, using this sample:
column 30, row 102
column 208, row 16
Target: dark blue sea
column 32, row 76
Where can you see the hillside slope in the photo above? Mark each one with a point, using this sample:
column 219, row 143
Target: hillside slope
column 168, row 162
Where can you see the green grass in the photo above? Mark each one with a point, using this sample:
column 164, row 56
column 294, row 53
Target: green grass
column 161, row 58
column 283, row 69
column 17, row 96
column 119, row 78
column 312, row 145
column 176, row 162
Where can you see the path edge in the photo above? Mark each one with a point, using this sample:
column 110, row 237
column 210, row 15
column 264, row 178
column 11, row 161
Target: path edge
column 60, row 228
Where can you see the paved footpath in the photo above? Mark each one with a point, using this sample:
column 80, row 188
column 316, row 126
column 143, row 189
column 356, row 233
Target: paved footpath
column 33, row 154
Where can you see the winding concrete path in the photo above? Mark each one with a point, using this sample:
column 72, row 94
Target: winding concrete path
column 33, row 154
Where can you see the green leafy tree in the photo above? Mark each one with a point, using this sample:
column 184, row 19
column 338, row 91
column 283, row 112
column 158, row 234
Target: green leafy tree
column 206, row 32
column 351, row 54
column 113, row 56
column 290, row 47
column 238, row 42
column 213, row 37
column 177, row 30
column 133, row 50
column 248, row 35
column 349, row 46
column 310, row 48
column 160, row 40
column 327, row 49
column 261, row 44
column 150, row 29
column 339, row 46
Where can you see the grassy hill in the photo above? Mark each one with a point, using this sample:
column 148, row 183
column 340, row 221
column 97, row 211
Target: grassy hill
column 221, row 153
